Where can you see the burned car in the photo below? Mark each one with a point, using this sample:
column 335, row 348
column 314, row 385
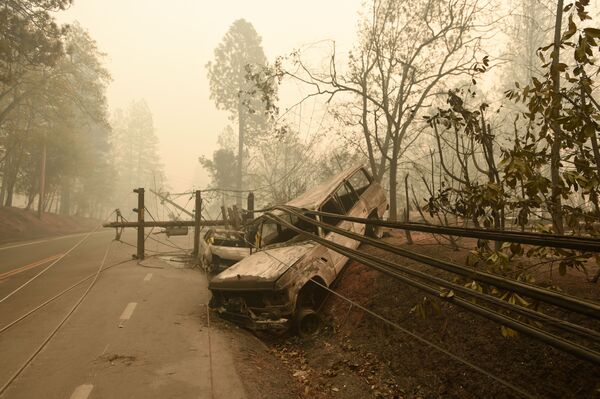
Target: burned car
column 280, row 284
column 225, row 247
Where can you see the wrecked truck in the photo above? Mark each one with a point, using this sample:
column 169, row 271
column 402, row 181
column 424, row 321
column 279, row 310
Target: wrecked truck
column 281, row 284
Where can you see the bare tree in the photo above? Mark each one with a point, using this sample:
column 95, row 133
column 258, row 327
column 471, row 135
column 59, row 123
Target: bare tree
column 406, row 50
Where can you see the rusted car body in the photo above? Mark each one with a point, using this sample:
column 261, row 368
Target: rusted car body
column 274, row 287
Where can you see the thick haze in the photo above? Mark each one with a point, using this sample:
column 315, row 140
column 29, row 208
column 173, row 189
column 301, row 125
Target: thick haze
column 157, row 50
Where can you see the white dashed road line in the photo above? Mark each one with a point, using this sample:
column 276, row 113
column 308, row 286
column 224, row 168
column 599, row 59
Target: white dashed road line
column 82, row 391
column 148, row 277
column 128, row 311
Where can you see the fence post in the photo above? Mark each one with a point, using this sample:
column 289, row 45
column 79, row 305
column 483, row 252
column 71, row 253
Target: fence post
column 140, row 229
column 197, row 219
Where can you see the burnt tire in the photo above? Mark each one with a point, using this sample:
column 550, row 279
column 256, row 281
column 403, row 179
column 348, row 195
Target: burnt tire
column 307, row 322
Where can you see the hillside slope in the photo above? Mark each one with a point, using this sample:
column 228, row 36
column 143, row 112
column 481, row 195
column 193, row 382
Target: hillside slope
column 18, row 224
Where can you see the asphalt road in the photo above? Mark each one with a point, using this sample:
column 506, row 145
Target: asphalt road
column 142, row 331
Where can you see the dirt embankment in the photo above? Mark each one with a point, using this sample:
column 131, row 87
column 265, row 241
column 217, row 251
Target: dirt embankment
column 358, row 356
column 18, row 224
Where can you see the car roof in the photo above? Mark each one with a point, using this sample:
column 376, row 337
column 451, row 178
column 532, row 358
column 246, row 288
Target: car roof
column 313, row 198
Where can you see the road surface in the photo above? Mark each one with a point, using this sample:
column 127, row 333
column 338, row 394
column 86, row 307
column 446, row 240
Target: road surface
column 142, row 331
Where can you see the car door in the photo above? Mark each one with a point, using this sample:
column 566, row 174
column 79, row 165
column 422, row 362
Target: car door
column 359, row 184
column 343, row 201
column 370, row 192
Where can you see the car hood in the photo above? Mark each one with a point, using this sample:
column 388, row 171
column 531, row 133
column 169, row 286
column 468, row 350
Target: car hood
column 261, row 269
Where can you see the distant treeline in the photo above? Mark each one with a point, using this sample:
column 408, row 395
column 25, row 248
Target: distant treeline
column 54, row 123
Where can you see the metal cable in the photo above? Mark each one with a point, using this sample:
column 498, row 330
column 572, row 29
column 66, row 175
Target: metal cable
column 538, row 333
column 55, row 297
column 412, row 334
column 538, row 316
column 553, row 297
column 60, row 324
column 545, row 240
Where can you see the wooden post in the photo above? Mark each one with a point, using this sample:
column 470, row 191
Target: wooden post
column 225, row 216
column 197, row 219
column 234, row 216
column 250, row 206
column 140, row 229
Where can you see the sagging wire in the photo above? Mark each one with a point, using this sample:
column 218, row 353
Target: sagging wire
column 118, row 238
column 88, row 235
column 55, row 297
column 559, row 299
column 145, row 250
column 173, row 245
column 60, row 324
column 412, row 334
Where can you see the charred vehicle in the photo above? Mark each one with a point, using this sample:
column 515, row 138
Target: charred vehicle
column 226, row 247
column 280, row 284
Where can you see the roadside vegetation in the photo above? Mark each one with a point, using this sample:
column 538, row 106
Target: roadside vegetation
column 56, row 134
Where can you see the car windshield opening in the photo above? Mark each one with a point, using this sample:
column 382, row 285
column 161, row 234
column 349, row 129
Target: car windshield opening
column 275, row 233
column 331, row 206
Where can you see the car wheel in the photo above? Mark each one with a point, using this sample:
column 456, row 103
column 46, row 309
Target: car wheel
column 307, row 321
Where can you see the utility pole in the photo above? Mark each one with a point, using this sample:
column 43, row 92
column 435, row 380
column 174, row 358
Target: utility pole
column 197, row 224
column 140, row 227
column 166, row 199
column 250, row 206
column 42, row 180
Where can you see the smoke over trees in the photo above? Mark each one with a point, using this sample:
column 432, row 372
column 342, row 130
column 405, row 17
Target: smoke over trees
column 53, row 118
column 55, row 133
column 233, row 88
column 135, row 151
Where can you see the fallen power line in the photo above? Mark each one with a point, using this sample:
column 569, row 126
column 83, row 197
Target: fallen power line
column 392, row 269
column 412, row 334
column 541, row 239
column 553, row 297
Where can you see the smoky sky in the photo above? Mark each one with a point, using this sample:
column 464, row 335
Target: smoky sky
column 157, row 50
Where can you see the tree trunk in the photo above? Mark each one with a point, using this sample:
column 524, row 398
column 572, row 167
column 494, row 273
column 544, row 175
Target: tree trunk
column 393, row 216
column 65, row 197
column 30, row 198
column 240, row 165
column 11, row 179
column 9, row 194
column 555, row 201
column 3, row 186
column 407, row 210
column 41, row 206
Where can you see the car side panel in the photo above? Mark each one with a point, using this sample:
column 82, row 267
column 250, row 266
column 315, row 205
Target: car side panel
column 374, row 198
column 230, row 253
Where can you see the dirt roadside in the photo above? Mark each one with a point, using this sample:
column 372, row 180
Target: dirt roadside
column 357, row 356
column 17, row 224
